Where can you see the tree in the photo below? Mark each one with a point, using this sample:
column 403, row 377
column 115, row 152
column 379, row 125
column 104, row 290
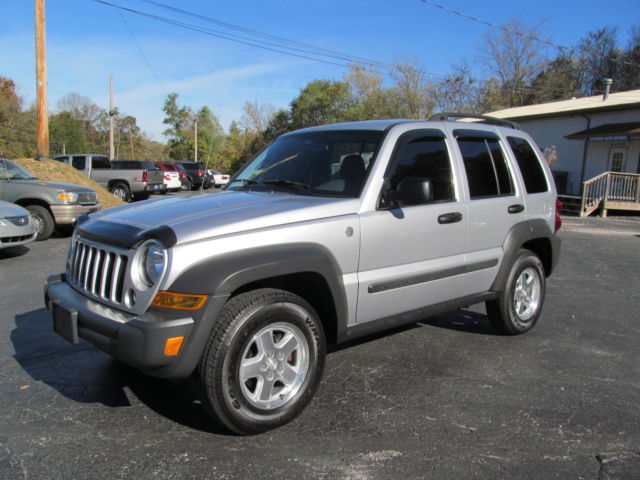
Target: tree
column 17, row 127
column 456, row 92
column 559, row 79
column 598, row 58
column 236, row 150
column 412, row 91
column 513, row 56
column 629, row 71
column 68, row 131
column 369, row 99
column 256, row 116
column 180, row 121
column 320, row 102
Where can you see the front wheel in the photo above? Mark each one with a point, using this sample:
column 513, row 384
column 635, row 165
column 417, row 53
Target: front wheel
column 517, row 309
column 263, row 361
column 43, row 221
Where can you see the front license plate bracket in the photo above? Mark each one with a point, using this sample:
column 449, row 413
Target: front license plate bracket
column 65, row 322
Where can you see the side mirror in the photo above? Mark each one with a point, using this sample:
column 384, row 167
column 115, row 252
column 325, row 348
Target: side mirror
column 412, row 191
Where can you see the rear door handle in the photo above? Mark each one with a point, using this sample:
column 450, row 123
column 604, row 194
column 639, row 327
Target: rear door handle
column 452, row 217
column 517, row 208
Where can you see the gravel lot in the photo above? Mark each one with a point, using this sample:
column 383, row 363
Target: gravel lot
column 446, row 398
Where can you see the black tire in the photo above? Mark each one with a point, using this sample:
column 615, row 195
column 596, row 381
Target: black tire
column 142, row 196
column 186, row 185
column 248, row 341
column 121, row 190
column 518, row 308
column 43, row 221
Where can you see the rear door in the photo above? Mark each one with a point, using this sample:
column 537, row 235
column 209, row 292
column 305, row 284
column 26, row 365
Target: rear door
column 411, row 257
column 495, row 204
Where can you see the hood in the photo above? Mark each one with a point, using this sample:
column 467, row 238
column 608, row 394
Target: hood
column 58, row 186
column 11, row 210
column 193, row 217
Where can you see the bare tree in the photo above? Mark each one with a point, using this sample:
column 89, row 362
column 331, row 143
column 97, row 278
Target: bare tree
column 412, row 90
column 514, row 56
column 457, row 91
column 256, row 116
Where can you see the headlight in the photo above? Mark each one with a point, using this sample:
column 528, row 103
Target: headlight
column 152, row 263
column 69, row 197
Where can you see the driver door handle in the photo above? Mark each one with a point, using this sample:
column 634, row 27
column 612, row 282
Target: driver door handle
column 452, row 217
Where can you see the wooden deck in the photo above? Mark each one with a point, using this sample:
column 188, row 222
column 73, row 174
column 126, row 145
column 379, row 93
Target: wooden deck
column 610, row 191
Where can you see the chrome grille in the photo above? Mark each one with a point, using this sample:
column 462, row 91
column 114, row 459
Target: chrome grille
column 98, row 271
column 87, row 198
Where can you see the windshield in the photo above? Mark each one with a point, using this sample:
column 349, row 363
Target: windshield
column 10, row 170
column 328, row 163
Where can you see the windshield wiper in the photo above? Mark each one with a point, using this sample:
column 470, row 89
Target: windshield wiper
column 246, row 181
column 285, row 183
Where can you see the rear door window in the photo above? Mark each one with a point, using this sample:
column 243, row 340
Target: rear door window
column 486, row 167
column 532, row 172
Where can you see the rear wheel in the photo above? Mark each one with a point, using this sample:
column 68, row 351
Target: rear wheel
column 517, row 309
column 263, row 361
column 43, row 221
column 121, row 190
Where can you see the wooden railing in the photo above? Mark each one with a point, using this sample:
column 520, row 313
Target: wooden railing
column 610, row 190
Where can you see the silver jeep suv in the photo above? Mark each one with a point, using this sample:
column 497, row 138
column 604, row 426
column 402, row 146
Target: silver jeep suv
column 330, row 233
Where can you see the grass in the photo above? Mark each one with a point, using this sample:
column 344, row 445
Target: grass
column 54, row 171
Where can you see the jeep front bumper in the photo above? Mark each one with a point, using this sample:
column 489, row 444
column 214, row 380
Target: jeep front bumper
column 136, row 340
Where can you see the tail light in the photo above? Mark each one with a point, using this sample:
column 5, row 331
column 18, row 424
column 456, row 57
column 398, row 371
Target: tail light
column 200, row 173
column 144, row 176
column 167, row 177
column 558, row 219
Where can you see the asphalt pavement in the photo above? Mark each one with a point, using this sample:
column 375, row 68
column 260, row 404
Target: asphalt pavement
column 446, row 398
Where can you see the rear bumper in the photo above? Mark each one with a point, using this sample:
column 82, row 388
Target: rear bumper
column 68, row 214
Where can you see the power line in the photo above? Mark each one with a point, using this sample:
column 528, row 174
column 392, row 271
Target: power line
column 263, row 34
column 308, row 52
column 144, row 57
column 514, row 32
column 303, row 52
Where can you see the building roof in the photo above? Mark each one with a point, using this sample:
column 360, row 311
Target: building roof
column 610, row 130
column 616, row 101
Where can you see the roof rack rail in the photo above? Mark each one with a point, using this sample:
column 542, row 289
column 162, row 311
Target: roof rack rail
column 443, row 116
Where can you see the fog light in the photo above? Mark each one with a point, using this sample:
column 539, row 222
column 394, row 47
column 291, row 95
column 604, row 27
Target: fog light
column 172, row 345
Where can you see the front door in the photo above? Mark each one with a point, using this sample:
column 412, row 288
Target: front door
column 412, row 256
column 617, row 159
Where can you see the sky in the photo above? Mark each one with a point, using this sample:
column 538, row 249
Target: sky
column 150, row 58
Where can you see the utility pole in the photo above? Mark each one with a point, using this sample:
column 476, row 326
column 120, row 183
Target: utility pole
column 131, row 139
column 111, row 115
column 42, row 141
column 196, row 138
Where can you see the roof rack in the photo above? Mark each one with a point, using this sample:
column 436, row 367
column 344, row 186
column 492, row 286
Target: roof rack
column 443, row 116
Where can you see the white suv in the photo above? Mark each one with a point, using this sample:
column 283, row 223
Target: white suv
column 329, row 234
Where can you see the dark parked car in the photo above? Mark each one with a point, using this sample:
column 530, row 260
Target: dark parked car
column 196, row 174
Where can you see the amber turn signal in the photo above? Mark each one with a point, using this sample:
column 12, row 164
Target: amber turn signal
column 172, row 345
column 179, row 301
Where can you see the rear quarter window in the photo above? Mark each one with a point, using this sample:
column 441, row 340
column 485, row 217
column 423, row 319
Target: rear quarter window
column 532, row 172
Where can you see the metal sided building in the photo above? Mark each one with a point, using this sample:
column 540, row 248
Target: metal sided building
column 591, row 135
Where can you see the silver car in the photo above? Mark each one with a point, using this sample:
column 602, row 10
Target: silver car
column 328, row 234
column 16, row 226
